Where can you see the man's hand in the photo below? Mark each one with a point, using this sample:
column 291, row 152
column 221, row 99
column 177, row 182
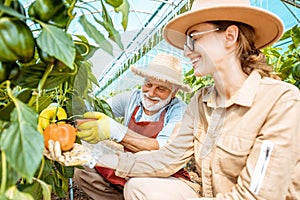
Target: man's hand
column 78, row 155
column 103, row 128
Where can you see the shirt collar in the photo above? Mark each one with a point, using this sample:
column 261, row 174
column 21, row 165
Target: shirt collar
column 244, row 96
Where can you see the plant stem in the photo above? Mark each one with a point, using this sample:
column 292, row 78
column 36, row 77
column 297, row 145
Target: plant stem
column 6, row 3
column 41, row 169
column 3, row 179
column 41, row 83
column 44, row 78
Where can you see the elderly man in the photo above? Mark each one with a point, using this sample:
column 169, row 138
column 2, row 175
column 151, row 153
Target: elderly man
column 150, row 115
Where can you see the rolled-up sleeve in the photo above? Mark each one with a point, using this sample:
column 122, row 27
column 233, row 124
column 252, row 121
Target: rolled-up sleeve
column 173, row 116
column 167, row 160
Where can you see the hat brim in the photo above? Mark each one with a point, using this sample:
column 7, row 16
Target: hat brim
column 267, row 26
column 158, row 76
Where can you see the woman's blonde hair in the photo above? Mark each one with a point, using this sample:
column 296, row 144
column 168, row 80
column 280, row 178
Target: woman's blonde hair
column 251, row 58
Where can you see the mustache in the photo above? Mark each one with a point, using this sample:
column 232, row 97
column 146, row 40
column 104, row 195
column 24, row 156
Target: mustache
column 151, row 98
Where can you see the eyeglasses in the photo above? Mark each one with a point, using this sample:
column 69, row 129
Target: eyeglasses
column 190, row 42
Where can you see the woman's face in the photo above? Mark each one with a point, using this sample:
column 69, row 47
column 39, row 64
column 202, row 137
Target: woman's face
column 208, row 48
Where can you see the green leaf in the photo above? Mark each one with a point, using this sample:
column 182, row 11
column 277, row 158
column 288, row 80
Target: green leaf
column 12, row 176
column 43, row 102
column 98, row 37
column 102, row 106
column 91, row 75
column 66, row 171
column 34, row 189
column 58, row 183
column 46, row 189
column 11, row 12
column 31, row 75
column 81, row 81
column 124, row 8
column 14, row 193
column 21, row 141
column 93, row 79
column 56, row 42
column 77, row 106
column 24, row 95
column 105, row 15
column 109, row 26
column 47, row 168
column 54, row 80
column 295, row 35
column 113, row 33
column 114, row 3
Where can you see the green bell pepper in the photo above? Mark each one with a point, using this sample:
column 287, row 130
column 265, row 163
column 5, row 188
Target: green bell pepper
column 296, row 71
column 61, row 17
column 16, row 40
column 44, row 9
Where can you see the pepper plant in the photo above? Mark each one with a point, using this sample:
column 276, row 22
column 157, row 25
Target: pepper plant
column 41, row 62
column 286, row 61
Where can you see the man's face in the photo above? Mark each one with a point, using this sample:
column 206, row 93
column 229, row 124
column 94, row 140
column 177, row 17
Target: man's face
column 156, row 94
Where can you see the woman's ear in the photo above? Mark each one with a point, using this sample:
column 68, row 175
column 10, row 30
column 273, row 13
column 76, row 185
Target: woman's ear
column 231, row 35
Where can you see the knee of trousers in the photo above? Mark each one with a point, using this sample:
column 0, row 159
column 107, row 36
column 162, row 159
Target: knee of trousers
column 77, row 176
column 130, row 187
column 134, row 190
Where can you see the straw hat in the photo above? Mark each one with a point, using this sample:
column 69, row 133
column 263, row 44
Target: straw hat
column 267, row 26
column 163, row 67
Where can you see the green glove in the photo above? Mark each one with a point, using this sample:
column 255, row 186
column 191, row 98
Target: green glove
column 78, row 155
column 104, row 128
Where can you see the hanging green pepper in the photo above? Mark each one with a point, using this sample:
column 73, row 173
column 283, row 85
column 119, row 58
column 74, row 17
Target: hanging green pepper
column 16, row 40
column 44, row 9
column 61, row 17
column 296, row 71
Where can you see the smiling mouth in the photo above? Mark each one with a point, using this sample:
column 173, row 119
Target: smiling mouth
column 151, row 100
column 195, row 60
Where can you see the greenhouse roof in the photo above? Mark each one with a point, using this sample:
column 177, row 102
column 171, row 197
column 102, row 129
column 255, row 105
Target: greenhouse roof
column 145, row 20
column 142, row 39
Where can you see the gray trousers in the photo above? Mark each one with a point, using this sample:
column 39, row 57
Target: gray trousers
column 94, row 185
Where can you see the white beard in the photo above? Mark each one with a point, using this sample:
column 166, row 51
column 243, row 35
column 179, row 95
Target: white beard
column 149, row 105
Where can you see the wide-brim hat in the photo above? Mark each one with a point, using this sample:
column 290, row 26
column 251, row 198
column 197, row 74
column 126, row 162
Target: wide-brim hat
column 163, row 67
column 267, row 26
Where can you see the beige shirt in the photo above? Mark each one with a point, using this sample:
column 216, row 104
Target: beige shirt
column 251, row 146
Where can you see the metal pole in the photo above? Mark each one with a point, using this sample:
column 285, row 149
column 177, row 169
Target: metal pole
column 71, row 195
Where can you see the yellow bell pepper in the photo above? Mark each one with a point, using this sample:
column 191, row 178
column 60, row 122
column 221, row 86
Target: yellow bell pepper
column 50, row 115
